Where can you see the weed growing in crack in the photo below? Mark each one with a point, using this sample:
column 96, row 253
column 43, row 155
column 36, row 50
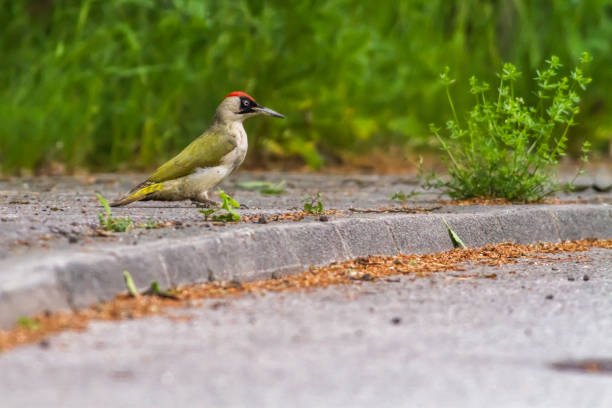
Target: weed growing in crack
column 506, row 148
column 228, row 204
column 313, row 204
column 403, row 197
column 110, row 223
column 150, row 224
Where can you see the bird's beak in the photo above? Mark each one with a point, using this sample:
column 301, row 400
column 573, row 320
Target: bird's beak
column 268, row 112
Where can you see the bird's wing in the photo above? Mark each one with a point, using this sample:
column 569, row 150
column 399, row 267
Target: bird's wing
column 206, row 151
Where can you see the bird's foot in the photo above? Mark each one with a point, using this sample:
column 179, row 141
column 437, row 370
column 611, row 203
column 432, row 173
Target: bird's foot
column 244, row 207
column 205, row 203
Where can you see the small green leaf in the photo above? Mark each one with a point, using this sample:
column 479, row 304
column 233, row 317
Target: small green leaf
column 313, row 205
column 155, row 287
column 104, row 203
column 228, row 205
column 278, row 188
column 28, row 323
column 108, row 222
column 129, row 283
column 207, row 212
column 457, row 242
column 253, row 184
column 150, row 224
column 121, row 224
column 230, row 216
column 154, row 290
column 228, row 201
column 399, row 196
column 403, row 197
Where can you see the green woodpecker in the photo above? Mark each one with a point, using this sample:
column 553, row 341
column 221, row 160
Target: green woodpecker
column 207, row 160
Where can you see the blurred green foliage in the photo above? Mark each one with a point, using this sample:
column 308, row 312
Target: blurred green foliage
column 118, row 84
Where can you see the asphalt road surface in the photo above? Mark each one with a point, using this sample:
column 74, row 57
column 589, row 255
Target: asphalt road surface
column 456, row 339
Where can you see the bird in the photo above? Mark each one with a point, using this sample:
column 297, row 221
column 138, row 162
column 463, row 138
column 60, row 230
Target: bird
column 207, row 160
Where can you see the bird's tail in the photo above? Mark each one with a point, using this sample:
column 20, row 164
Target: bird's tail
column 138, row 194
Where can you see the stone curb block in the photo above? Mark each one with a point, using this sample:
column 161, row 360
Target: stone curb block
column 65, row 280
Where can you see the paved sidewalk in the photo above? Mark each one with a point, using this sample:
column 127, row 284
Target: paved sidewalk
column 455, row 339
column 52, row 258
column 58, row 212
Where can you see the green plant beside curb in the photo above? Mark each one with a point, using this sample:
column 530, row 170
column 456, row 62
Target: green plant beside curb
column 228, row 204
column 313, row 204
column 403, row 197
column 457, row 242
column 110, row 223
column 506, row 148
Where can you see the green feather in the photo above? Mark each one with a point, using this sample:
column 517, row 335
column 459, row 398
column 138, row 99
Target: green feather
column 206, row 151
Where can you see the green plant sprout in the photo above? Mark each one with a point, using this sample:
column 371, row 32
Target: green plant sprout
column 150, row 224
column 228, row 204
column 403, row 197
column 506, row 148
column 455, row 239
column 110, row 223
column 129, row 284
column 28, row 323
column 153, row 290
column 313, row 204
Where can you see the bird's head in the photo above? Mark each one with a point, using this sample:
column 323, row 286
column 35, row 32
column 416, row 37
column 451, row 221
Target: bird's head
column 237, row 106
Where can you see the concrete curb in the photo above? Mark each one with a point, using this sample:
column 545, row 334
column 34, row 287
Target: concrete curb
column 71, row 279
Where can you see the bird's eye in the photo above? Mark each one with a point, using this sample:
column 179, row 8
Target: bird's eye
column 246, row 102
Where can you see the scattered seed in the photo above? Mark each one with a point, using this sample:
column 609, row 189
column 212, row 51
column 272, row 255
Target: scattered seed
column 324, row 218
column 217, row 305
column 549, row 297
column 586, row 278
column 44, row 344
column 396, row 320
column 571, row 278
column 262, row 220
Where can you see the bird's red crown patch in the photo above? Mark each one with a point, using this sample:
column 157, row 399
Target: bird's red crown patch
column 239, row 94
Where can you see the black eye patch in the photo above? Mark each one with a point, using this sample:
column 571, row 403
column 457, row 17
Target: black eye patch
column 247, row 105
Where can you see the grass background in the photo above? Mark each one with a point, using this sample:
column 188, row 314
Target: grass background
column 125, row 84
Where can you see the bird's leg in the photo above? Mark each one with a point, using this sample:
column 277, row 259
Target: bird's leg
column 203, row 201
